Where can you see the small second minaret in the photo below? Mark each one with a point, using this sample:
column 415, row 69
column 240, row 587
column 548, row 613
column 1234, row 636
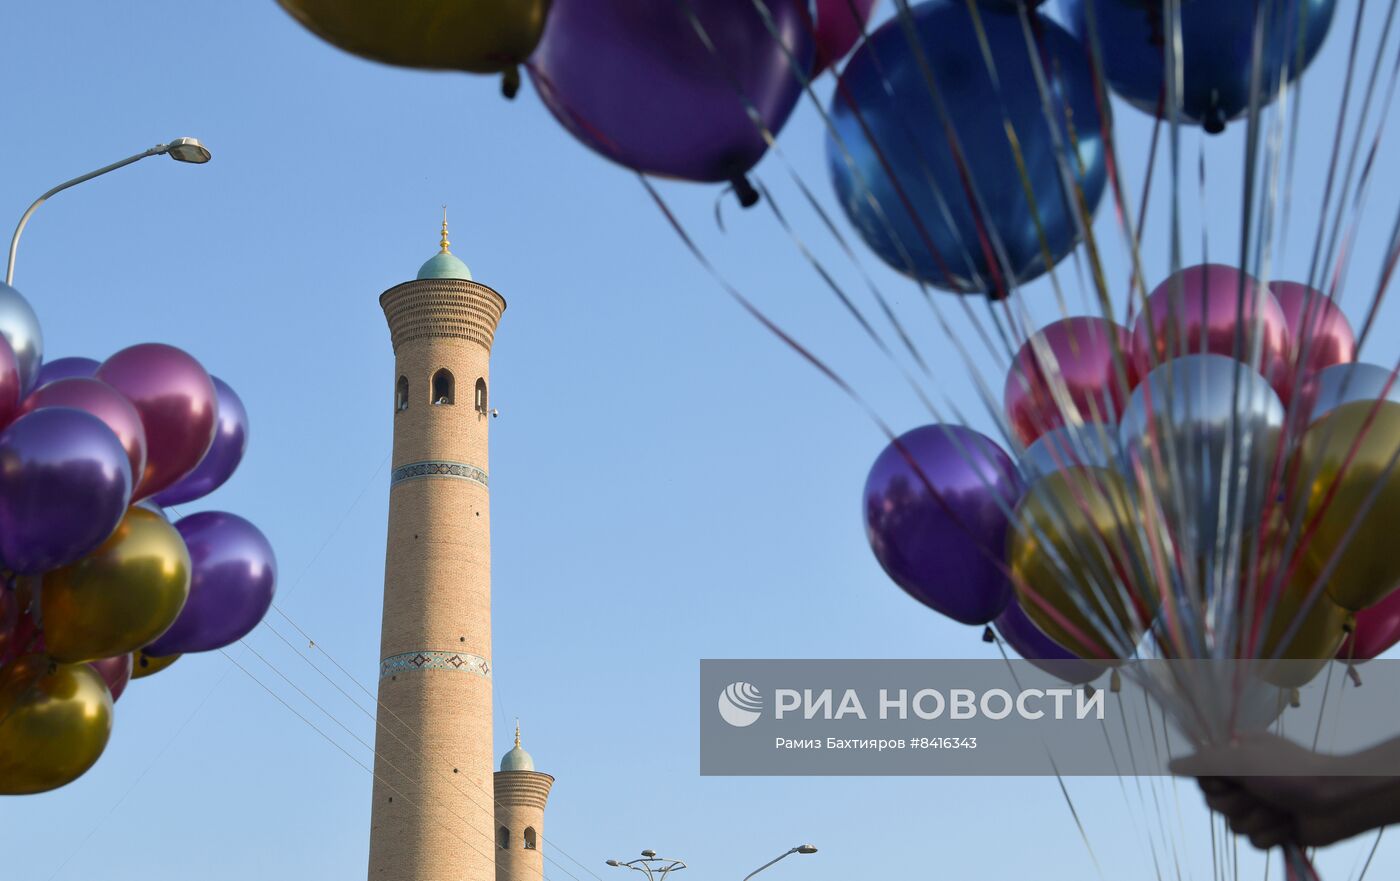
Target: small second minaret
column 521, row 793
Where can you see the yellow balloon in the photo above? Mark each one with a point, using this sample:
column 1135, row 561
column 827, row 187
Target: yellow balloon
column 120, row 597
column 1076, row 533
column 1367, row 566
column 143, row 665
column 57, row 726
column 480, row 36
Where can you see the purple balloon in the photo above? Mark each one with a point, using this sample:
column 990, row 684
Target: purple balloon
column 67, row 368
column 65, row 482
column 233, row 577
column 633, row 80
column 217, row 466
column 936, row 506
column 1031, row 643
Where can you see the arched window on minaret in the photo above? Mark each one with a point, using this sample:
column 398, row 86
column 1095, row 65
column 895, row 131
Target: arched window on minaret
column 443, row 387
column 503, row 838
column 480, row 395
column 529, row 837
column 401, row 394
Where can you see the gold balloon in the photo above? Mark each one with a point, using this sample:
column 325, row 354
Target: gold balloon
column 480, row 36
column 143, row 665
column 59, row 720
column 1368, row 566
column 1077, row 531
column 120, row 597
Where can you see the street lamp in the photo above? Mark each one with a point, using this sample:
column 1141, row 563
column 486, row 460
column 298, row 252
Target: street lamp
column 801, row 848
column 654, row 867
column 181, row 150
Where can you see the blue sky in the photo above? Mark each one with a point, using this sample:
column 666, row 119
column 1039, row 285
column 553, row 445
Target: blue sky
column 668, row 482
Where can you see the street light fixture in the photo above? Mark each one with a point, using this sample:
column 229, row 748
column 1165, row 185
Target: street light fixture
column 801, row 848
column 181, row 150
column 654, row 867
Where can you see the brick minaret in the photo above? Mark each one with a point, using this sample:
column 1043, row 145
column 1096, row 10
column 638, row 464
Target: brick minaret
column 433, row 814
column 521, row 793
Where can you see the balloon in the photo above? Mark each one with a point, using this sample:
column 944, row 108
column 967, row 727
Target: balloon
column 1341, row 384
column 217, row 466
column 908, row 227
column 1060, row 448
column 936, row 504
column 120, row 597
column 115, row 672
column 9, row 383
column 1217, row 51
column 1074, row 549
column 102, row 401
column 1277, row 602
column 20, row 328
column 479, row 36
column 1377, row 630
column 1072, row 358
column 19, row 632
column 1327, row 339
column 1344, row 462
column 839, row 25
column 177, row 403
column 67, row 368
column 64, row 485
column 1189, row 425
column 1198, row 310
column 1031, row 643
column 59, row 719
column 143, row 665
column 633, row 80
column 235, row 574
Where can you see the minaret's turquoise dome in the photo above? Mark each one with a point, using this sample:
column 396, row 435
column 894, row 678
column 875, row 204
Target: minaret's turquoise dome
column 445, row 264
column 517, row 759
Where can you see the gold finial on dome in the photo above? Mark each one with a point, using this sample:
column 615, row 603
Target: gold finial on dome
column 446, row 245
column 517, row 734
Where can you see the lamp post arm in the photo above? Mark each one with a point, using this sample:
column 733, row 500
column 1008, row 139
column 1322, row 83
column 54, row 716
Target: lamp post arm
column 769, row 863
column 14, row 241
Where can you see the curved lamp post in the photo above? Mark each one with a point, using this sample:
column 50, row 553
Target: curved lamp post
column 801, row 848
column 654, row 867
column 180, row 149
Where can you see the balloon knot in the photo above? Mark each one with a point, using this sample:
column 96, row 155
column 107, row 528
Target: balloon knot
column 1295, row 698
column 1355, row 676
column 1349, row 626
column 988, row 635
column 510, row 82
column 1115, row 682
column 1089, row 689
column 1215, row 119
column 748, row 196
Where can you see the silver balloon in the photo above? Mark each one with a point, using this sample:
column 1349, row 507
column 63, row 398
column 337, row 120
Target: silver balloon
column 150, row 505
column 1205, row 430
column 1341, row 384
column 20, row 328
column 1059, row 448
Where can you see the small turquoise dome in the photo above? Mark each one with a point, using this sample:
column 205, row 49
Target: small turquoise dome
column 445, row 264
column 517, row 759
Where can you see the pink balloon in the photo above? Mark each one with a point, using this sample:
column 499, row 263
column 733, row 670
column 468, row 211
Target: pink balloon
column 838, row 28
column 116, row 672
column 1377, row 629
column 102, row 401
column 178, row 406
column 1195, row 311
column 1081, row 351
column 1328, row 337
column 9, row 383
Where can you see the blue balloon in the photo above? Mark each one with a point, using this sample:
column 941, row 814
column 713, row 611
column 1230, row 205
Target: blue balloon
column 905, row 124
column 1217, row 50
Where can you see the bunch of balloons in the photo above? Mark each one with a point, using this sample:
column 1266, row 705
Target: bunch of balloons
column 1217, row 481
column 97, row 585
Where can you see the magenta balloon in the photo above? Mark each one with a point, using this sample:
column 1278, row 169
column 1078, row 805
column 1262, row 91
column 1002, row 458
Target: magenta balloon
column 65, row 483
column 1328, row 338
column 178, row 407
column 839, row 26
column 1031, row 643
column 1081, row 350
column 116, row 672
column 1198, row 310
column 67, row 368
column 218, row 465
column 233, row 577
column 936, row 505
column 633, row 80
column 10, row 383
column 1377, row 630
column 104, row 402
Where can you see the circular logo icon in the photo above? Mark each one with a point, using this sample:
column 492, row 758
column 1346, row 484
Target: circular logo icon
column 741, row 704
